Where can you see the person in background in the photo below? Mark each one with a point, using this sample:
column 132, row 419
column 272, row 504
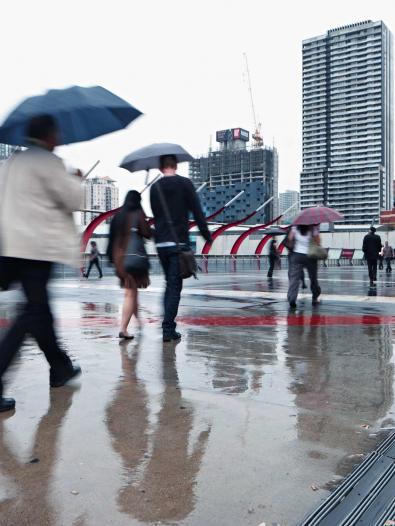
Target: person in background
column 121, row 228
column 381, row 259
column 273, row 257
column 94, row 259
column 371, row 248
column 37, row 201
column 300, row 237
column 303, row 280
column 181, row 199
column 388, row 254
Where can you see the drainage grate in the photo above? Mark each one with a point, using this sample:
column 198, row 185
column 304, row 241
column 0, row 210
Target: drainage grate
column 366, row 497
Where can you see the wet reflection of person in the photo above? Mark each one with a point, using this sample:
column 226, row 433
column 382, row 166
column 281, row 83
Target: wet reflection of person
column 32, row 480
column 128, row 418
column 36, row 184
column 166, row 491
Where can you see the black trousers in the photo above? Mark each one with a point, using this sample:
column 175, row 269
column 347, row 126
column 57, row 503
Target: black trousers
column 171, row 267
column 95, row 262
column 36, row 317
column 388, row 268
column 272, row 264
column 372, row 268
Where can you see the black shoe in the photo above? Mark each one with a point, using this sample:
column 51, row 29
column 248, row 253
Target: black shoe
column 174, row 337
column 6, row 404
column 57, row 380
column 304, row 286
column 124, row 336
column 315, row 302
column 292, row 305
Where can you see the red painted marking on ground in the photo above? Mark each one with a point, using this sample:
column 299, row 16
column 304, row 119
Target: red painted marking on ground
column 291, row 320
column 297, row 320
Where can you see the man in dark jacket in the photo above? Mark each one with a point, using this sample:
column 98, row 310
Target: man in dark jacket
column 371, row 248
column 181, row 199
column 273, row 257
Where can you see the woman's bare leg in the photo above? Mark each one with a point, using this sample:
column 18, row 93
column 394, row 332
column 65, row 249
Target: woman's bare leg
column 128, row 309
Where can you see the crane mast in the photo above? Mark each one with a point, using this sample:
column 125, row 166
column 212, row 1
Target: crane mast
column 257, row 135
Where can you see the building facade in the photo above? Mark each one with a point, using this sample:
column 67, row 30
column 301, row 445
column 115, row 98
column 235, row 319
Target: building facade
column 288, row 200
column 234, row 168
column 347, row 121
column 5, row 151
column 101, row 194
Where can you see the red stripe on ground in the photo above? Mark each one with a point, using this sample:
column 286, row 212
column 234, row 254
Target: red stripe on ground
column 292, row 320
column 234, row 321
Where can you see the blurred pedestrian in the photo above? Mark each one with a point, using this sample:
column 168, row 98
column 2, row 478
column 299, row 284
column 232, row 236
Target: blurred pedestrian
column 130, row 223
column 381, row 259
column 371, row 248
column 303, row 280
column 273, row 257
column 38, row 198
column 94, row 259
column 388, row 254
column 171, row 215
column 300, row 238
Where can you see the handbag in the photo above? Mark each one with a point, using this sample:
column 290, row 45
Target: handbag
column 289, row 242
column 316, row 251
column 136, row 261
column 186, row 257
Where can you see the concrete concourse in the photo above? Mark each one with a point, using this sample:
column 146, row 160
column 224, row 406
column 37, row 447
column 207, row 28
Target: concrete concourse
column 252, row 418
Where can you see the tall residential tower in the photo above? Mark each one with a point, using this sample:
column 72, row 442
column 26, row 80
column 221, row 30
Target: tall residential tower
column 347, row 121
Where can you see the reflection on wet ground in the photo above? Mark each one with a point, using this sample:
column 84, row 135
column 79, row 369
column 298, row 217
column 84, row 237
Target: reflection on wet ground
column 252, row 419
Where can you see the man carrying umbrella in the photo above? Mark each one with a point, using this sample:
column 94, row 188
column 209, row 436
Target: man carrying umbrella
column 37, row 203
column 38, row 198
column 173, row 198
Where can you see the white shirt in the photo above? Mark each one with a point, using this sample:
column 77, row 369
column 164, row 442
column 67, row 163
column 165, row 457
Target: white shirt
column 302, row 243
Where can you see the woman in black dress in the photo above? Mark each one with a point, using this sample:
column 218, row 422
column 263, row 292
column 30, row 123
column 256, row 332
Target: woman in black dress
column 130, row 214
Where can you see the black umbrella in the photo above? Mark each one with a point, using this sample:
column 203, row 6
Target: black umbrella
column 148, row 157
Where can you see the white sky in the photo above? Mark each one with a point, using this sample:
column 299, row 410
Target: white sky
column 178, row 61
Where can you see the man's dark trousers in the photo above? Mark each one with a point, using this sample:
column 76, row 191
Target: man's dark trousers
column 95, row 262
column 170, row 262
column 372, row 267
column 35, row 319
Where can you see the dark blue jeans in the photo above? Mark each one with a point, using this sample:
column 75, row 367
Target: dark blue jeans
column 169, row 260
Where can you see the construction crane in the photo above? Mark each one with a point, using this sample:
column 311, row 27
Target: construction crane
column 257, row 135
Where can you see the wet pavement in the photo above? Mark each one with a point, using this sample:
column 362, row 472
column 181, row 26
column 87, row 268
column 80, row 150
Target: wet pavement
column 252, row 418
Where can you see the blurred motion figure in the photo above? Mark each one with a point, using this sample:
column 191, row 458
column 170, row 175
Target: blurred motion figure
column 37, row 201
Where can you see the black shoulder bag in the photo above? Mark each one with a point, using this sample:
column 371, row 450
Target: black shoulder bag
column 188, row 265
column 136, row 260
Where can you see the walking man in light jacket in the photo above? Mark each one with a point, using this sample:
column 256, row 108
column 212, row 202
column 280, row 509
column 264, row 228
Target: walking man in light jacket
column 37, row 201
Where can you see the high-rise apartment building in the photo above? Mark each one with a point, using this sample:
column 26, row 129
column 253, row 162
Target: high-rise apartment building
column 288, row 200
column 347, row 121
column 234, row 168
column 101, row 194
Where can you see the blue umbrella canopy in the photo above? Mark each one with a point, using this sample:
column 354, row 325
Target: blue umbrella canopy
column 148, row 157
column 81, row 114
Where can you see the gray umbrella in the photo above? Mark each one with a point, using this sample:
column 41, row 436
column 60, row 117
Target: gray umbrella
column 148, row 157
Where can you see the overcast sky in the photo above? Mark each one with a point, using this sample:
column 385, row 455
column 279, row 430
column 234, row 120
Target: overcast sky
column 178, row 61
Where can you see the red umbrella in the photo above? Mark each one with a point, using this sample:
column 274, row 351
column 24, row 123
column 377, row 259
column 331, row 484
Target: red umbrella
column 317, row 215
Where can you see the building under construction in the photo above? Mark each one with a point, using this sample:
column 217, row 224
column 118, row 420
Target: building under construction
column 234, row 168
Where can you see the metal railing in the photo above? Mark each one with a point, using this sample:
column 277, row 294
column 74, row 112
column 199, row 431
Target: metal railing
column 207, row 264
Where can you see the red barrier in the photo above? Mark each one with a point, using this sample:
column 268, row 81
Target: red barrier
column 207, row 246
column 247, row 233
